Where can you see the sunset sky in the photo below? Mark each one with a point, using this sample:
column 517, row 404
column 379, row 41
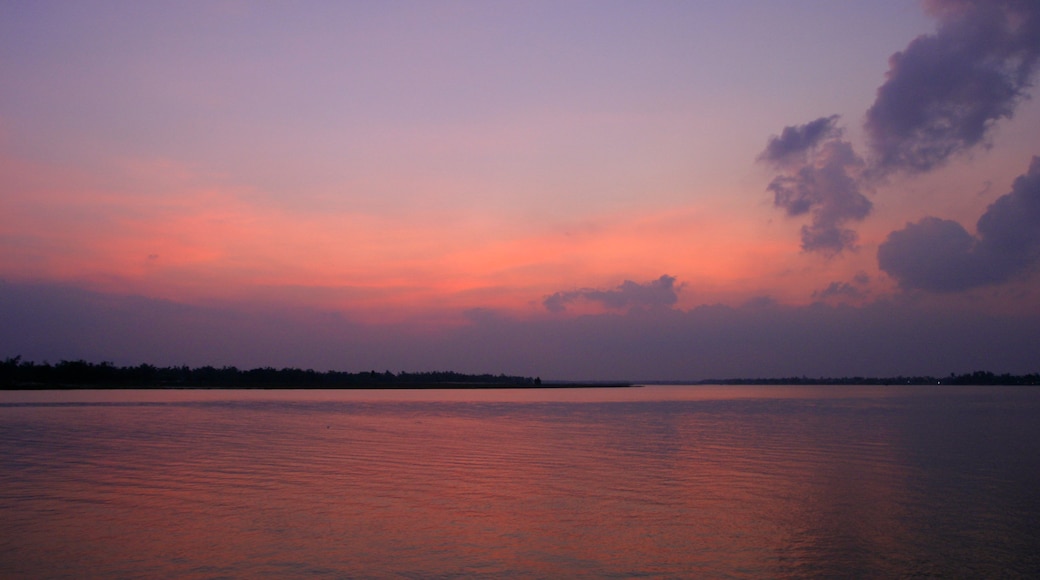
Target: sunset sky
column 574, row 190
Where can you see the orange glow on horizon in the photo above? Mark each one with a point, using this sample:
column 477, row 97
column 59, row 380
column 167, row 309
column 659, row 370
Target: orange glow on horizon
column 218, row 243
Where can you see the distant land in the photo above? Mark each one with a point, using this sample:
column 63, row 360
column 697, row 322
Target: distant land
column 16, row 374
column 974, row 378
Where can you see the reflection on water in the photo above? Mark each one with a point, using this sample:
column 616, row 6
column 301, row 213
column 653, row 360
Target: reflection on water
column 660, row 482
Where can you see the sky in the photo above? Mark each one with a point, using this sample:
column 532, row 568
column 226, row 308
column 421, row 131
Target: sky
column 571, row 190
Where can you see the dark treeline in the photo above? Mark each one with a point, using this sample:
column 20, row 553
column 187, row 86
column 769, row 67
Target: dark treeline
column 974, row 378
column 18, row 374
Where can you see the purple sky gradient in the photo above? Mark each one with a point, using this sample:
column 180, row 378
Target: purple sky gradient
column 579, row 190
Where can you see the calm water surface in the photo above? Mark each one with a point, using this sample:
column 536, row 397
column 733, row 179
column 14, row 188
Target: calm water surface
column 662, row 482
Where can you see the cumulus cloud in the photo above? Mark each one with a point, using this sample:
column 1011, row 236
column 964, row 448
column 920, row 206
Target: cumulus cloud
column 794, row 143
column 838, row 291
column 941, row 256
column 945, row 91
column 942, row 96
column 820, row 176
column 656, row 293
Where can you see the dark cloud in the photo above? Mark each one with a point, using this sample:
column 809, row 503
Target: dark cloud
column 762, row 338
column 941, row 256
column 794, row 143
column 838, row 290
column 821, row 176
column 854, row 289
column 656, row 293
column 945, row 91
column 942, row 96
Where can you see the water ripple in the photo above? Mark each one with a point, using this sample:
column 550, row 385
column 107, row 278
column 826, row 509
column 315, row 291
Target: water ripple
column 788, row 486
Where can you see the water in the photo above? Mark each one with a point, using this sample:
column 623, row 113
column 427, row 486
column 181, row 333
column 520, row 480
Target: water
column 662, row 482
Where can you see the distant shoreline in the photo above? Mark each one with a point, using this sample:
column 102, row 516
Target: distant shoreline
column 977, row 378
column 19, row 375
column 357, row 387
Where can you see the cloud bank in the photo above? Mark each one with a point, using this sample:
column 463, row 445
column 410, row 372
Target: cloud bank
column 883, row 338
column 654, row 294
column 941, row 256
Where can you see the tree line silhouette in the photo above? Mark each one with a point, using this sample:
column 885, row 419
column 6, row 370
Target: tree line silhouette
column 16, row 373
